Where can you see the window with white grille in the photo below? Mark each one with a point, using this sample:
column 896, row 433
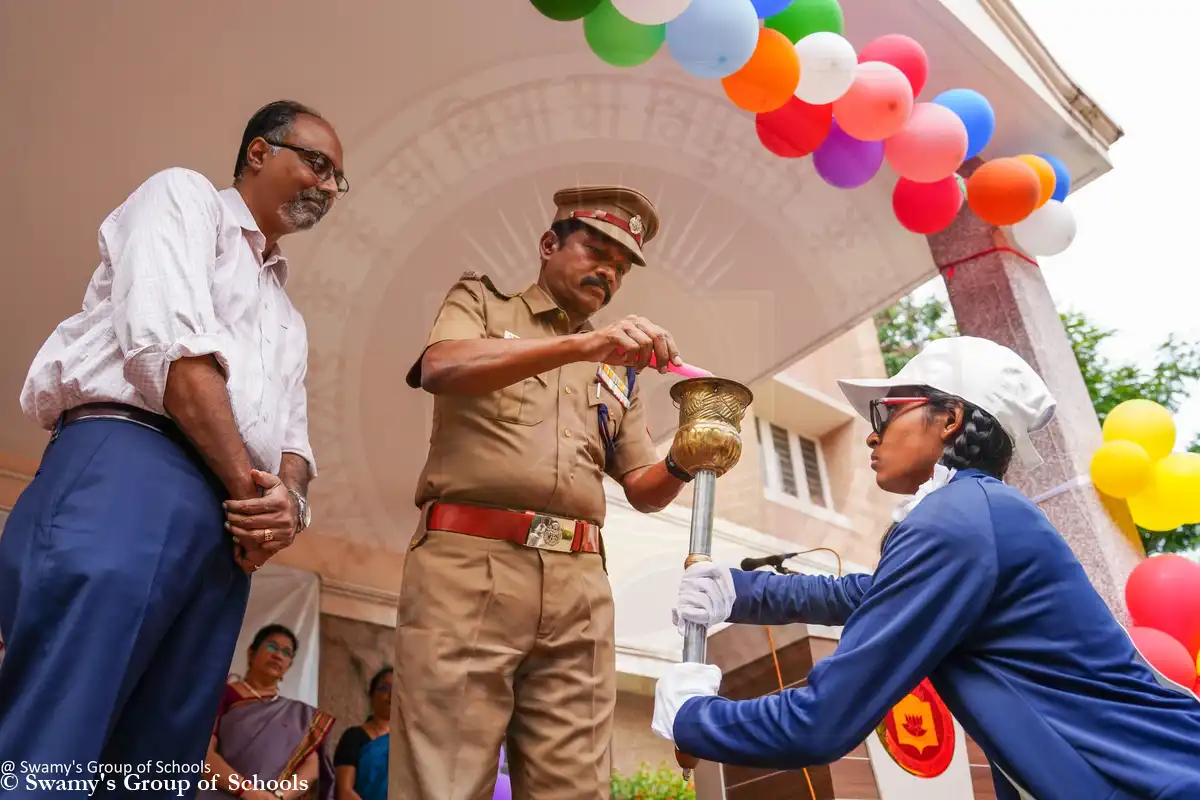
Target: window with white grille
column 793, row 465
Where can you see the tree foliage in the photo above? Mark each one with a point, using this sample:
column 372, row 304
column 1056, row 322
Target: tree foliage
column 907, row 326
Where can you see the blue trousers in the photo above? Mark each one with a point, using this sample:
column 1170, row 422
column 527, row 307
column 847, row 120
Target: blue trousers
column 120, row 606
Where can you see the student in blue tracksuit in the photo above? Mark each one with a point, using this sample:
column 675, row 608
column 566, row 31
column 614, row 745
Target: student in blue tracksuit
column 975, row 589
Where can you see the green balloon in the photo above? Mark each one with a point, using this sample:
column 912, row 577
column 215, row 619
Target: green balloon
column 565, row 10
column 619, row 41
column 803, row 17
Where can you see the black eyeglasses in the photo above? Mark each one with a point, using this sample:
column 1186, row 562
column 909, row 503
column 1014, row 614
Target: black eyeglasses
column 881, row 410
column 318, row 162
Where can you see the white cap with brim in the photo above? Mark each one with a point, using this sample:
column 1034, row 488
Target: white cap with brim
column 987, row 375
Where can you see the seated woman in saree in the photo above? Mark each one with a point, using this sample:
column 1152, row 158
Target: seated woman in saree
column 266, row 746
column 361, row 758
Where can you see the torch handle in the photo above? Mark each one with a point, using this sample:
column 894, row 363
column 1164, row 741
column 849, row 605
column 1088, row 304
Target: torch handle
column 695, row 636
column 700, row 547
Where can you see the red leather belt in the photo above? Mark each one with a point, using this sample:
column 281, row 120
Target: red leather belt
column 543, row 531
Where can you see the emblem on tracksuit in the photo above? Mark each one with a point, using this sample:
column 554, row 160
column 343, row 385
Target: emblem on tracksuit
column 918, row 733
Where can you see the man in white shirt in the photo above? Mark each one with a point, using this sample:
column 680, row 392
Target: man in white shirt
column 178, row 460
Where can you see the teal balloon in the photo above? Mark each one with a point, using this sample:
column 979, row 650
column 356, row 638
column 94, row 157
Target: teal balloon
column 565, row 10
column 618, row 40
column 803, row 17
column 1062, row 178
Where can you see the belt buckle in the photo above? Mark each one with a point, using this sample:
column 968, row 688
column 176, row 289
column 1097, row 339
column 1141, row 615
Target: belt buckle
column 550, row 533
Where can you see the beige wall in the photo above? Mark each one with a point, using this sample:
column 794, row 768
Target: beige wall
column 861, row 511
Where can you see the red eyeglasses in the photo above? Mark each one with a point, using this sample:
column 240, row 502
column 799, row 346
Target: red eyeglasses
column 882, row 414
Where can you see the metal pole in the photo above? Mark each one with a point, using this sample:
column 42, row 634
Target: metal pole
column 695, row 636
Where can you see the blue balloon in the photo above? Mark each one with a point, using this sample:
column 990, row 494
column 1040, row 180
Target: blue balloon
column 975, row 112
column 1062, row 178
column 713, row 38
column 769, row 8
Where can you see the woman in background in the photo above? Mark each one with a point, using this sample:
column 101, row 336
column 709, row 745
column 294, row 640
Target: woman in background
column 361, row 758
column 260, row 733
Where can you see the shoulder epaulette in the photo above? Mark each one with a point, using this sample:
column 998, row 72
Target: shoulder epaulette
column 471, row 275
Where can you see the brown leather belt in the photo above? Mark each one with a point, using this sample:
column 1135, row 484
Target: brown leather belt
column 543, row 531
column 121, row 411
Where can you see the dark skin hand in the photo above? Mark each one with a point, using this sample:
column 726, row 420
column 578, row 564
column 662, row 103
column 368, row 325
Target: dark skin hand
column 275, row 511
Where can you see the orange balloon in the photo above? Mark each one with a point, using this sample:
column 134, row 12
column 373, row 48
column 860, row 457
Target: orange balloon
column 1004, row 191
column 769, row 78
column 1045, row 174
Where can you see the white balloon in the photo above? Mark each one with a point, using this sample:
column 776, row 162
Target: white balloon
column 1047, row 231
column 651, row 12
column 827, row 66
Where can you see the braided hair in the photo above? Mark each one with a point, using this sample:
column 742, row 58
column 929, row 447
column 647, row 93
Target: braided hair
column 980, row 443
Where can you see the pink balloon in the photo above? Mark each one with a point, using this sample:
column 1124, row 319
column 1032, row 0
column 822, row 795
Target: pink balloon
column 930, row 146
column 902, row 52
column 877, row 104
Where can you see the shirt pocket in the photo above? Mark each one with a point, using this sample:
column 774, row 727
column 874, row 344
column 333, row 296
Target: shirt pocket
column 519, row 404
column 600, row 397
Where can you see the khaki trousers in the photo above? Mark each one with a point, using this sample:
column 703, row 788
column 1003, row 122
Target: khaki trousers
column 497, row 642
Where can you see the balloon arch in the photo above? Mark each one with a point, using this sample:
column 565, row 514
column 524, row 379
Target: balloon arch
column 812, row 94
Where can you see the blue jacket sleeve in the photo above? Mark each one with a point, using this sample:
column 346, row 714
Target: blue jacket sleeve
column 933, row 582
column 764, row 598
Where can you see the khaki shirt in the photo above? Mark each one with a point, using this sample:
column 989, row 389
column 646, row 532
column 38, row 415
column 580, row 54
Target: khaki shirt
column 534, row 445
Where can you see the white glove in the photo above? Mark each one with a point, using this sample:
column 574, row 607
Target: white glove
column 681, row 683
column 706, row 595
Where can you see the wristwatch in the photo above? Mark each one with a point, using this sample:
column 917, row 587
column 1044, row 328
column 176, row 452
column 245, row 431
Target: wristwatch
column 303, row 513
column 678, row 471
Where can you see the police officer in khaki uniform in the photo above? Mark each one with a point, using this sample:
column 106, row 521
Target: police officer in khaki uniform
column 505, row 621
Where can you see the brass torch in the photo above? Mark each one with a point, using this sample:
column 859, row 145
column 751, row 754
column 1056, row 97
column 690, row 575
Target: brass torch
column 708, row 444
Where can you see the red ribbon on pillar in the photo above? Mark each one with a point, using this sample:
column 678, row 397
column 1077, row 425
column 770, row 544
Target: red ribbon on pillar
column 947, row 270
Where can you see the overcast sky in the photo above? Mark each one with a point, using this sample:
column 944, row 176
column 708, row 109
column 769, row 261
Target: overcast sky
column 1134, row 266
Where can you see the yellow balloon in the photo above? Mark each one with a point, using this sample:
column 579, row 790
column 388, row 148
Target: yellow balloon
column 1177, row 478
column 1143, row 422
column 1046, row 177
column 1150, row 512
column 1121, row 469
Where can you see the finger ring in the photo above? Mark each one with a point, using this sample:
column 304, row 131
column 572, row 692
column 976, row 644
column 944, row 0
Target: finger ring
column 268, row 536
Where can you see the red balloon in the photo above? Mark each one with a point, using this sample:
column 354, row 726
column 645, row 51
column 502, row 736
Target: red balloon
column 901, row 52
column 795, row 129
column 927, row 208
column 1163, row 592
column 1165, row 654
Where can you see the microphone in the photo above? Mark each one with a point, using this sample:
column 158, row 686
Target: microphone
column 750, row 564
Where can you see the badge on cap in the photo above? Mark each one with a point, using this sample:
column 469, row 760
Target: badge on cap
column 614, row 383
column 635, row 225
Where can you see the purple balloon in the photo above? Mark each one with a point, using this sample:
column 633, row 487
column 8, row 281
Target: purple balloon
column 846, row 162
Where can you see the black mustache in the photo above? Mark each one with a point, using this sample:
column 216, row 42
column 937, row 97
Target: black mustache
column 592, row 280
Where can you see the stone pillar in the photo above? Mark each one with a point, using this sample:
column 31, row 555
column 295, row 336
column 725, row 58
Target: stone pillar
column 998, row 294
